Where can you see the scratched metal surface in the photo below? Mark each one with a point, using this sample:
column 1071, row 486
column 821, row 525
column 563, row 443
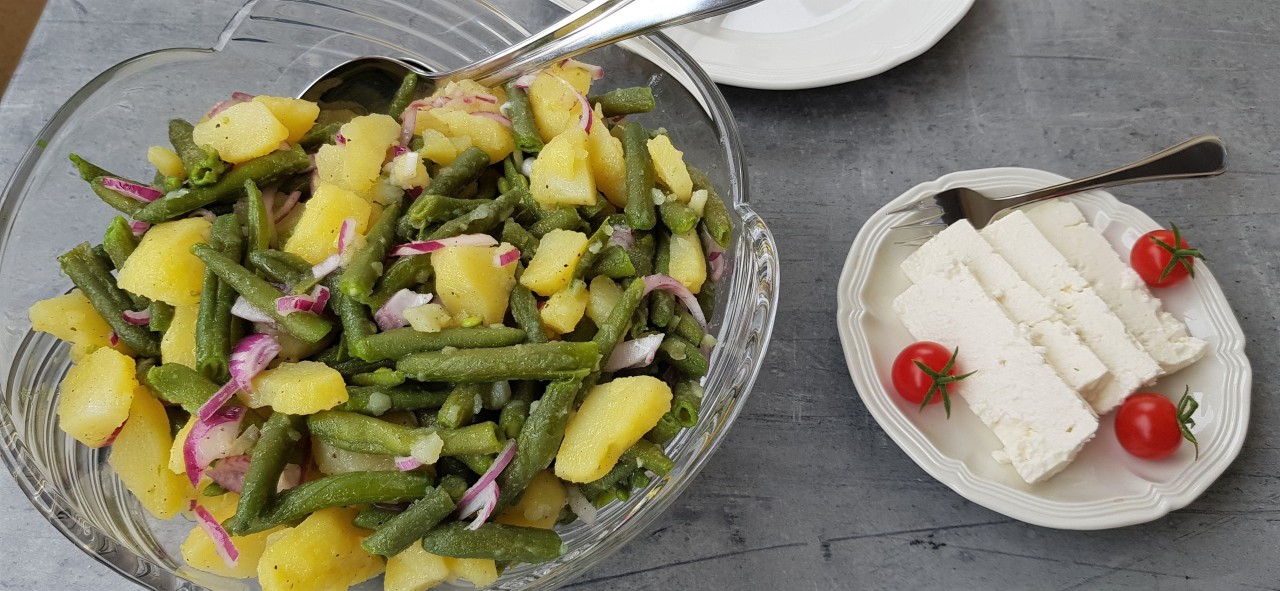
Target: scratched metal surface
column 808, row 493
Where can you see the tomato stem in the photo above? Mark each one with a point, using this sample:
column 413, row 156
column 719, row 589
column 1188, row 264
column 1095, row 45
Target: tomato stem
column 940, row 379
column 1178, row 256
column 1186, row 407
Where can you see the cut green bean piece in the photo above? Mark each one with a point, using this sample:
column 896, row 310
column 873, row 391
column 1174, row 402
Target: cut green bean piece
column 321, row 133
column 89, row 171
column 667, row 428
column 619, row 320
column 402, row 530
column 179, row 384
column 306, row 326
column 383, row 376
column 522, row 123
column 117, row 200
column 203, row 165
column 677, row 216
column 625, row 101
column 454, row 485
column 259, row 223
column 684, row 356
column 281, row 267
column 539, row 439
column 403, row 96
column 263, row 170
column 686, row 402
column 93, row 278
column 642, row 253
column 459, row 409
column 366, row 264
column 524, row 309
column 639, row 177
column 613, row 263
column 686, row 327
column 538, row 361
column 662, row 304
column 161, row 316
column 214, row 328
column 478, row 463
column 715, row 214
column 341, row 490
column 398, row 342
column 431, row 209
column 355, row 318
column 373, row 517
column 556, row 218
column 450, row 180
column 280, row 435
column 517, row 236
column 404, row 273
column 357, row 432
column 494, row 541
column 119, row 241
column 379, row 400
column 482, row 219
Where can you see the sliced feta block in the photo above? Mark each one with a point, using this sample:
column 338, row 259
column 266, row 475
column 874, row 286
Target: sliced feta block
column 1074, row 361
column 1164, row 337
column 1016, row 239
column 1039, row 419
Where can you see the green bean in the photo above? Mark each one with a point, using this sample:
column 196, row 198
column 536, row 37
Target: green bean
column 642, row 252
column 398, row 342
column 451, row 466
column 454, row 485
column 383, row 376
column 349, row 368
column 430, row 209
column 662, row 304
column 182, row 385
column 522, row 124
column 161, row 316
column 625, row 101
column 644, row 455
column 306, row 326
column 259, row 223
column 556, row 218
column 619, row 319
column 119, row 241
column 667, row 428
column 515, row 414
column 482, row 219
column 213, row 489
column 715, row 214
column 341, row 490
column 517, row 236
column 402, row 530
column 539, row 361
column 95, row 281
column 403, row 96
column 263, row 170
column 89, row 171
column 366, row 264
column 379, row 400
column 524, row 309
column 478, row 463
column 687, row 402
column 595, row 245
column 404, row 273
column 364, row 434
column 639, row 177
column 584, row 331
column 539, row 439
column 373, row 517
column 683, row 355
column 613, row 263
column 281, row 267
column 707, row 298
column 459, row 409
column 494, row 541
column 279, row 436
column 202, row 163
column 686, row 327
column 214, row 320
column 450, row 180
column 319, row 134
column 117, row 200
column 677, row 216
column 354, row 318
column 596, row 213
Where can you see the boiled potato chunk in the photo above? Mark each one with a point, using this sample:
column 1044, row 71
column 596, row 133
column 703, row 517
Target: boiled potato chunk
column 322, row 554
column 140, row 456
column 96, row 396
column 299, row 388
column 552, row 266
column 315, row 237
column 241, row 132
column 608, row 167
column 562, row 174
column 614, row 416
column 539, row 505
column 605, row 294
column 296, row 115
column 469, row 284
column 479, row 572
column 437, row 148
column 166, row 161
column 553, row 102
column 688, row 263
column 430, row 317
column 565, row 308
column 71, row 318
column 487, row 134
column 163, row 268
column 177, row 463
column 179, row 342
column 415, row 569
column 201, row 553
column 668, row 165
column 356, row 163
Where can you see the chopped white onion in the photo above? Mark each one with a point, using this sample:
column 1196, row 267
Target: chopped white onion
column 391, row 314
column 634, row 353
column 580, row 505
column 243, row 309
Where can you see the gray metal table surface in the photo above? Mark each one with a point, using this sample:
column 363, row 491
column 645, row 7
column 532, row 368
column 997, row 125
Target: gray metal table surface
column 808, row 492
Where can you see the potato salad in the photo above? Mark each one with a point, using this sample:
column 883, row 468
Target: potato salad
column 407, row 343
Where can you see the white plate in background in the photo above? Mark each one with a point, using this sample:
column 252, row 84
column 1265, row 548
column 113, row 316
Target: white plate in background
column 791, row 44
column 1104, row 487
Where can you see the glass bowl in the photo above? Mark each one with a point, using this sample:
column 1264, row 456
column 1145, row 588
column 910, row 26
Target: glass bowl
column 279, row 47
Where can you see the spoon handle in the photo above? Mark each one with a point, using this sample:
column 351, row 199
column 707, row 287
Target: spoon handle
column 598, row 23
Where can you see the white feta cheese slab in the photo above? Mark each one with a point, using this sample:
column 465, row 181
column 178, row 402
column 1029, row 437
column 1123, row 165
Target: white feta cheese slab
column 1041, row 422
column 1164, row 337
column 1016, row 239
column 1074, row 361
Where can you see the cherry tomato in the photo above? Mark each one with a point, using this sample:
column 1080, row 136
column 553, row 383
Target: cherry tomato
column 915, row 384
column 1149, row 426
column 1162, row 258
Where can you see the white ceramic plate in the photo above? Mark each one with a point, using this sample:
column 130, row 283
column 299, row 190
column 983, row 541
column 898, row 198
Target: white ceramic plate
column 1105, row 486
column 790, row 44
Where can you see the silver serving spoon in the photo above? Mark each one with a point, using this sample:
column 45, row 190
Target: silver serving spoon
column 372, row 81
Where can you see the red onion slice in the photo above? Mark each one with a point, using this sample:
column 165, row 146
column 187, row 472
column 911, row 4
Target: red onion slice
column 142, row 193
column 113, row 338
column 288, row 205
column 221, row 539
column 243, row 309
column 114, row 434
column 526, row 80
column 391, row 314
column 406, row 463
column 634, row 353
column 410, row 119
column 668, row 283
column 715, row 255
column 320, row 298
column 340, row 139
column 479, row 496
column 250, row 356
column 138, row 228
column 209, row 440
column 323, row 268
column 229, row 472
column 622, row 236
column 429, row 246
column 346, row 233
column 506, row 257
column 596, row 72
column 137, row 318
column 499, row 117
